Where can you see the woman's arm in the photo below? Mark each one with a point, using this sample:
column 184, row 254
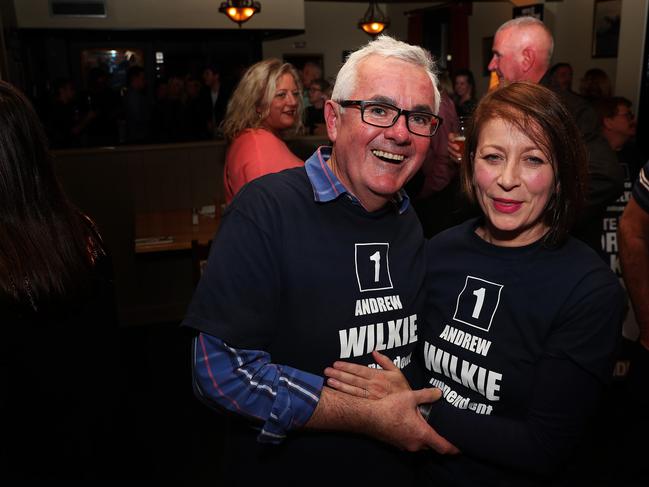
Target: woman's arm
column 564, row 398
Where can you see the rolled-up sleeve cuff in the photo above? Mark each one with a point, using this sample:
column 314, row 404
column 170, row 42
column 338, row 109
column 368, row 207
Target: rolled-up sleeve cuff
column 298, row 393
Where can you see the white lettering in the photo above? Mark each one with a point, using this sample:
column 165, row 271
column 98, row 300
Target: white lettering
column 466, row 340
column 413, row 328
column 380, row 345
column 472, row 376
column 358, row 341
column 394, row 339
column 445, row 332
column 377, row 305
column 352, row 343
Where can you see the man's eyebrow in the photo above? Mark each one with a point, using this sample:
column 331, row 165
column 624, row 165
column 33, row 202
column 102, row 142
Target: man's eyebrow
column 391, row 101
column 384, row 99
column 422, row 108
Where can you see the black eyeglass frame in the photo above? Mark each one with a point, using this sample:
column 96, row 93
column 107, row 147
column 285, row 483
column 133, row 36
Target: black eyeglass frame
column 400, row 111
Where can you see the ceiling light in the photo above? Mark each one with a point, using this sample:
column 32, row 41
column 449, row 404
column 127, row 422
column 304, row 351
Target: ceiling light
column 240, row 11
column 374, row 21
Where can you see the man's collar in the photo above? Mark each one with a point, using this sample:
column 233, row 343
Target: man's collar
column 327, row 187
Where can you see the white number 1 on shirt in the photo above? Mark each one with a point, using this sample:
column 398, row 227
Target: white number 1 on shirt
column 376, row 257
column 478, row 293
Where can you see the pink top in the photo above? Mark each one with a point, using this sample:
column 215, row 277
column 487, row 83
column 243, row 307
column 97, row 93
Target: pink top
column 252, row 154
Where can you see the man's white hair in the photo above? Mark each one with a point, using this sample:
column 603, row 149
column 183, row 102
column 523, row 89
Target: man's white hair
column 387, row 47
column 528, row 21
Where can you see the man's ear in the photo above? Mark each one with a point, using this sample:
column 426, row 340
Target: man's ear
column 528, row 58
column 332, row 119
column 606, row 122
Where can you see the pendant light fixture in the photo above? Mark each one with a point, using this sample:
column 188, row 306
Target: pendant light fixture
column 240, row 11
column 374, row 21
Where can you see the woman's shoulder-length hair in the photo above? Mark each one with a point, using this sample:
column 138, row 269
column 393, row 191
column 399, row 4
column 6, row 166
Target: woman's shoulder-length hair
column 539, row 114
column 250, row 102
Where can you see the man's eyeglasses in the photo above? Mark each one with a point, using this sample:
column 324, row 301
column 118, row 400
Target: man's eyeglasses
column 385, row 115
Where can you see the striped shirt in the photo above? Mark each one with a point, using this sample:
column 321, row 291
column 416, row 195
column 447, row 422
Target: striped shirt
column 277, row 398
column 641, row 188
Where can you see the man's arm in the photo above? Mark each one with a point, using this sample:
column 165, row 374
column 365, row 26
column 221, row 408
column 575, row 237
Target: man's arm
column 246, row 382
column 394, row 419
column 634, row 258
column 280, row 399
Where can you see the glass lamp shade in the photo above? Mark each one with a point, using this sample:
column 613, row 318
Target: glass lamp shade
column 374, row 21
column 240, row 11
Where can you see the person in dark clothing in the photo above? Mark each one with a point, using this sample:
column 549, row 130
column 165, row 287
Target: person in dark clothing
column 137, row 109
column 169, row 113
column 296, row 271
column 214, row 98
column 634, row 257
column 464, row 92
column 560, row 76
column 595, row 84
column 65, row 123
column 618, row 127
column 104, row 102
column 194, row 126
column 314, row 113
column 58, row 338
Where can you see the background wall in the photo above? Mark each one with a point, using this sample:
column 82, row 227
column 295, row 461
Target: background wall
column 635, row 19
column 331, row 28
column 161, row 14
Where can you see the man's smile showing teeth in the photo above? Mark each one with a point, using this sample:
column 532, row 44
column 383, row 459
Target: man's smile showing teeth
column 388, row 156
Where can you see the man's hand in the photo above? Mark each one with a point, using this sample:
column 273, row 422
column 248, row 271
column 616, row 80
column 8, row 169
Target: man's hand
column 362, row 381
column 394, row 419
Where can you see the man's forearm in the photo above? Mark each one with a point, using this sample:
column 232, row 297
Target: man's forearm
column 634, row 258
column 394, row 419
column 247, row 383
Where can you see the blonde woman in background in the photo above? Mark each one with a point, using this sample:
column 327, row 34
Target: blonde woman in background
column 266, row 105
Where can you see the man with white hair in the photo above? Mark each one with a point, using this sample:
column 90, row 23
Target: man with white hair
column 522, row 51
column 317, row 264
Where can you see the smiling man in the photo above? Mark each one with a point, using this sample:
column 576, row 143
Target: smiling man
column 316, row 264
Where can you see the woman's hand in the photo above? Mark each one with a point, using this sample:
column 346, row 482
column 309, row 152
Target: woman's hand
column 363, row 381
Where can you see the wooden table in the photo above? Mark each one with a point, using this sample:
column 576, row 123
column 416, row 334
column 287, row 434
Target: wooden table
column 162, row 231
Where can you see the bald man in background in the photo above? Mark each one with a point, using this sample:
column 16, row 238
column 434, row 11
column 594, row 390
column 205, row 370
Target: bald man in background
column 522, row 51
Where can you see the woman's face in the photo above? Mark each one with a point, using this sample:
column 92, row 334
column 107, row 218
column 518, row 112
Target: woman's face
column 513, row 181
column 462, row 87
column 283, row 107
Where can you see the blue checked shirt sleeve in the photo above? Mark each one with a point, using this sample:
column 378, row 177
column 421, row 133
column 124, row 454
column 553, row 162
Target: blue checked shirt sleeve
column 246, row 382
